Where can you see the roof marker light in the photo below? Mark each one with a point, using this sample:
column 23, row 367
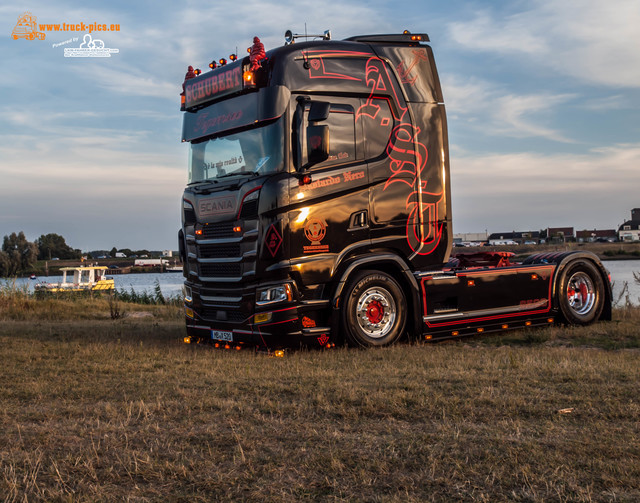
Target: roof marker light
column 197, row 71
column 233, row 57
column 222, row 61
column 213, row 65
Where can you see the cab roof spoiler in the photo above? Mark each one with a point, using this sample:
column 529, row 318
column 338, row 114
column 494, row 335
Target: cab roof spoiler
column 405, row 38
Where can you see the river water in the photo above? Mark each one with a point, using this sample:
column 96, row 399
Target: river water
column 621, row 275
column 171, row 282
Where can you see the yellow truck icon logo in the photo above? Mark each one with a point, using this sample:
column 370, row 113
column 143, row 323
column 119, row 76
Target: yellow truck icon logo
column 26, row 28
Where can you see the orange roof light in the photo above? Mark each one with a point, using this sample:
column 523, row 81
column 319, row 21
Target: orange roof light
column 248, row 76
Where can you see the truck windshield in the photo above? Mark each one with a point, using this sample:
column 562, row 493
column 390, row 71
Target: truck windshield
column 259, row 150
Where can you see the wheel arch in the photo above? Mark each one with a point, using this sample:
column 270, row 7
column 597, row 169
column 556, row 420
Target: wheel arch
column 391, row 264
column 566, row 259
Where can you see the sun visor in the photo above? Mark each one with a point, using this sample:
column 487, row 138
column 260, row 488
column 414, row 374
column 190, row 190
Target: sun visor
column 241, row 111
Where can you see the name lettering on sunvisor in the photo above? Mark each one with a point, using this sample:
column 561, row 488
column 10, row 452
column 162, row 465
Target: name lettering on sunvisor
column 213, row 85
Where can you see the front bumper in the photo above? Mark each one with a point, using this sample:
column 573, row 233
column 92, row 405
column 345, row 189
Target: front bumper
column 287, row 326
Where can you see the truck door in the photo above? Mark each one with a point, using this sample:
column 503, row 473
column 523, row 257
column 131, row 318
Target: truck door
column 393, row 161
column 330, row 203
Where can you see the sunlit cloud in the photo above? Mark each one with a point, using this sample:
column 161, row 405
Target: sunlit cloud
column 490, row 110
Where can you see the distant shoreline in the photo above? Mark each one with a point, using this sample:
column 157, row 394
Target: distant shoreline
column 605, row 251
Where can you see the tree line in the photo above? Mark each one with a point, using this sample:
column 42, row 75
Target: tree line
column 18, row 254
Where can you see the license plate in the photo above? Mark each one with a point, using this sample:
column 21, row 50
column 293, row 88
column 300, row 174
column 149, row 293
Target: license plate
column 222, row 336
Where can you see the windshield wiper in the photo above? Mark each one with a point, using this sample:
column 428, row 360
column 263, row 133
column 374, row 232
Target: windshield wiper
column 243, row 173
column 204, row 186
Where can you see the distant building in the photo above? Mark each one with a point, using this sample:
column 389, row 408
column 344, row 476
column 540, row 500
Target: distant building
column 596, row 235
column 167, row 253
column 560, row 234
column 630, row 230
column 524, row 237
column 470, row 238
column 149, row 262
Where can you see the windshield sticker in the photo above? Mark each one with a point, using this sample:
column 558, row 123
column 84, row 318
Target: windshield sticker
column 261, row 162
column 222, row 157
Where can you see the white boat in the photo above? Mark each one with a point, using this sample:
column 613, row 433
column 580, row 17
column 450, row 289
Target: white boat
column 80, row 279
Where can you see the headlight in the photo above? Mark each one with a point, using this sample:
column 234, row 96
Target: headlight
column 272, row 294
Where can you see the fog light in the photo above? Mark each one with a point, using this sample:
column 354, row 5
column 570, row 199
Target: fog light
column 189, row 313
column 262, row 317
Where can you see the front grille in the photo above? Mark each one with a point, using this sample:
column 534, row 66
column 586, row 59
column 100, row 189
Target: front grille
column 250, row 209
column 219, row 251
column 220, row 270
column 217, row 231
column 211, row 313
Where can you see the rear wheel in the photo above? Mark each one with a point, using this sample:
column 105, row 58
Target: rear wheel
column 580, row 293
column 374, row 310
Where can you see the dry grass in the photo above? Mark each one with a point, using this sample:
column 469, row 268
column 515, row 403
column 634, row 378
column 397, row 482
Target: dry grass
column 119, row 410
column 17, row 303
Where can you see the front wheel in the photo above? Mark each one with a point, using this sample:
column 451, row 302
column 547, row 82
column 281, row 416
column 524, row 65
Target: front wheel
column 374, row 310
column 580, row 293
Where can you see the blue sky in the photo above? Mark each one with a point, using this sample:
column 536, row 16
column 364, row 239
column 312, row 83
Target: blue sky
column 543, row 101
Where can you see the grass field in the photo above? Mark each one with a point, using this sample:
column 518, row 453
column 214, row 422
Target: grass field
column 95, row 409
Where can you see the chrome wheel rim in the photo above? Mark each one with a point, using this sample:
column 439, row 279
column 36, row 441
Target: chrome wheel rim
column 376, row 312
column 581, row 293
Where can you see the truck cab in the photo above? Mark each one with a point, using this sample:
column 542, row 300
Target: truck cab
column 318, row 209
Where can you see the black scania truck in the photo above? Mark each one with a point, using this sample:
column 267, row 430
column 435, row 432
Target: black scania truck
column 318, row 208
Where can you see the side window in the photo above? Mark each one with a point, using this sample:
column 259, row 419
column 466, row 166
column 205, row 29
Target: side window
column 342, row 137
column 377, row 121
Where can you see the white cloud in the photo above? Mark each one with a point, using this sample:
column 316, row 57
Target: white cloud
column 133, row 82
column 529, row 191
column 591, row 40
column 492, row 111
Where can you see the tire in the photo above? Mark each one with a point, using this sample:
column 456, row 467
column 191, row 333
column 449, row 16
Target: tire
column 374, row 310
column 580, row 293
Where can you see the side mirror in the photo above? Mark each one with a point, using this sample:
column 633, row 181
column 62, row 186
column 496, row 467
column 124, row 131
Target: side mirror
column 319, row 111
column 317, row 144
